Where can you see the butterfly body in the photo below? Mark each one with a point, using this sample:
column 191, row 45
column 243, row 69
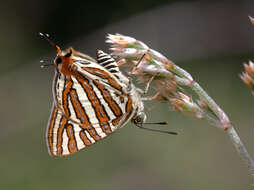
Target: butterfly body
column 92, row 99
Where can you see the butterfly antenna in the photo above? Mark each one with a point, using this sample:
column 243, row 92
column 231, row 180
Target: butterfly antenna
column 48, row 38
column 52, row 43
column 158, row 123
column 156, row 130
column 44, row 65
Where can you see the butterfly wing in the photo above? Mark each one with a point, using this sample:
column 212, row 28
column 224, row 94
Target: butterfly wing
column 65, row 137
column 84, row 112
column 105, row 70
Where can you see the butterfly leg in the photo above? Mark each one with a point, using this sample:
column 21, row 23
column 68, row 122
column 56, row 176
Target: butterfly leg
column 146, row 87
column 136, row 66
column 149, row 98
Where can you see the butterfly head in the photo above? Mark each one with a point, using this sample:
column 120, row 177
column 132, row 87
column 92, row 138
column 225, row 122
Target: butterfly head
column 63, row 61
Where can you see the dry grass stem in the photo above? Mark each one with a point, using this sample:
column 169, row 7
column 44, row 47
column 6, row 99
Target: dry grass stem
column 170, row 80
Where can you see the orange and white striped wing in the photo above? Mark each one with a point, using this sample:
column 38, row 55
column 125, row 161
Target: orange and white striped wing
column 84, row 112
column 65, row 137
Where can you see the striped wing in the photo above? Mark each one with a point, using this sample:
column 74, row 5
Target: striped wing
column 105, row 60
column 105, row 70
column 84, row 112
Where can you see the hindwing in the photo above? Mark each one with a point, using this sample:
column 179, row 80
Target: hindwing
column 105, row 71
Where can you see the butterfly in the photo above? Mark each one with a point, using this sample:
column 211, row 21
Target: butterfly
column 92, row 99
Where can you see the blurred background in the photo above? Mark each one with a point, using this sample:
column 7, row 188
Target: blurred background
column 210, row 39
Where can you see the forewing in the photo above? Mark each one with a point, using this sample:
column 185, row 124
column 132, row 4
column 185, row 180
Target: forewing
column 84, row 112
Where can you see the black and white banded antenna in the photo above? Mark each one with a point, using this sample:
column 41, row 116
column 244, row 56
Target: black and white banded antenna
column 45, row 65
column 156, row 130
column 52, row 43
column 48, row 38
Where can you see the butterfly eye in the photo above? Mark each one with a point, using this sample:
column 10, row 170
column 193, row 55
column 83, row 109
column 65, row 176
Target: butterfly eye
column 58, row 60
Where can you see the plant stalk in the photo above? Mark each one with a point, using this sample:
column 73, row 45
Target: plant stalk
column 225, row 125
